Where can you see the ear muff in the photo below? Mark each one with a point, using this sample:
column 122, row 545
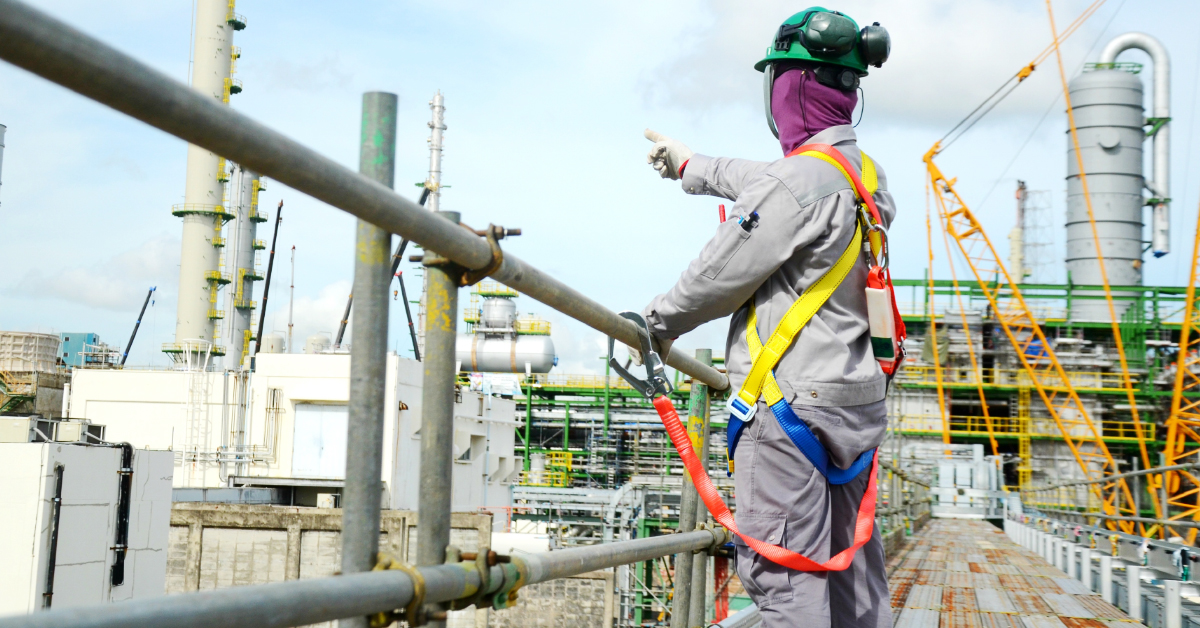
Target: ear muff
column 874, row 44
column 828, row 34
column 837, row 77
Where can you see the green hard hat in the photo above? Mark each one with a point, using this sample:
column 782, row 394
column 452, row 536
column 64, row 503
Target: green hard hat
column 820, row 35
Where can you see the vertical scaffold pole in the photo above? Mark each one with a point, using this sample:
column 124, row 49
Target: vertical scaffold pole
column 362, row 494
column 698, row 431
column 437, row 409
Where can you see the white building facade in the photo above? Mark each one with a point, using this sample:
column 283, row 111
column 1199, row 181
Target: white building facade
column 285, row 425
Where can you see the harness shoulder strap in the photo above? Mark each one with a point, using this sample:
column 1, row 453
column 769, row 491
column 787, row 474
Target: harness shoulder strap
column 764, row 358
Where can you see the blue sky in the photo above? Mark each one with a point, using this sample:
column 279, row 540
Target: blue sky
column 546, row 103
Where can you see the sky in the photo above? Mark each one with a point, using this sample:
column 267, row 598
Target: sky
column 546, row 104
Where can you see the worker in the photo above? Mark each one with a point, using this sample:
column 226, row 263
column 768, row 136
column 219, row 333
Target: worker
column 793, row 219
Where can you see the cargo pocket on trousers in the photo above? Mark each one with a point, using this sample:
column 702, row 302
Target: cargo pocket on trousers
column 724, row 251
column 765, row 581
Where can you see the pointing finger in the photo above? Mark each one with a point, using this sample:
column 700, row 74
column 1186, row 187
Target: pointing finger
column 654, row 136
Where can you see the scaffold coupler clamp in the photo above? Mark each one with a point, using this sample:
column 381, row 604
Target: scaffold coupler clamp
column 480, row 562
column 414, row 612
column 467, row 276
column 656, row 382
column 721, row 537
column 515, row 575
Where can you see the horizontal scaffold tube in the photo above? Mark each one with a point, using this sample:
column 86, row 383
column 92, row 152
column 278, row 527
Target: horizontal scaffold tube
column 57, row 52
column 1192, row 466
column 302, row 602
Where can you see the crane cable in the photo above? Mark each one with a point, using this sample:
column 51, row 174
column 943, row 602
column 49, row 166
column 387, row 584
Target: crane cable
column 1001, row 93
column 1046, row 113
column 1108, row 298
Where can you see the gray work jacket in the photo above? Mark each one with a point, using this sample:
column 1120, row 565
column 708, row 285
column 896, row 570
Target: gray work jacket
column 807, row 215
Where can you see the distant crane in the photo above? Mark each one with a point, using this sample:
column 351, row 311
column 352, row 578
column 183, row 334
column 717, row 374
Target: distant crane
column 337, row 342
column 262, row 316
column 125, row 356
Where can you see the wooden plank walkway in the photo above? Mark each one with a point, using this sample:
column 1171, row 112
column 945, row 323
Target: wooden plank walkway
column 968, row 574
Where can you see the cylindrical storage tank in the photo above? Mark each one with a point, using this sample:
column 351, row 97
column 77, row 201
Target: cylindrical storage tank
column 498, row 313
column 317, row 343
column 477, row 354
column 1109, row 119
column 272, row 343
column 28, row 351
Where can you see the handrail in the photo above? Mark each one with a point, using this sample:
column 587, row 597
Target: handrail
column 57, row 52
column 1117, row 476
column 315, row 600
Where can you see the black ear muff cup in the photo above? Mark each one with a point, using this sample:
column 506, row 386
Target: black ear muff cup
column 844, row 79
column 874, row 44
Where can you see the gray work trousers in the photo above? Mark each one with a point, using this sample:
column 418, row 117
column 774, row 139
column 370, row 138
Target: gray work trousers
column 782, row 499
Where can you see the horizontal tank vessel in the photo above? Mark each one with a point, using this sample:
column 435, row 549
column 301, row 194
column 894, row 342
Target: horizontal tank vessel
column 479, row 354
column 499, row 341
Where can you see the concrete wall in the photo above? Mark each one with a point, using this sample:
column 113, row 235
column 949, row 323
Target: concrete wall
column 584, row 601
column 87, row 524
column 213, row 546
column 197, row 416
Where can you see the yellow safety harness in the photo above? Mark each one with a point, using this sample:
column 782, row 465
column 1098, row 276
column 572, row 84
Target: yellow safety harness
column 761, row 380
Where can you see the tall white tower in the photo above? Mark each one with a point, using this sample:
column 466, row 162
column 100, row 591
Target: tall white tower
column 205, row 208
column 242, row 256
column 437, row 126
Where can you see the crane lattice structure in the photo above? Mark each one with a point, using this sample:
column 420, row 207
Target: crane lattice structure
column 1036, row 355
column 1183, row 424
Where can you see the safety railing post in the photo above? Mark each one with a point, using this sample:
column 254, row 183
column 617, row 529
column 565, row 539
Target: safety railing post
column 1085, row 567
column 437, row 409
column 1173, row 605
column 361, row 497
column 681, row 606
column 1106, row 578
column 698, row 415
column 1133, row 586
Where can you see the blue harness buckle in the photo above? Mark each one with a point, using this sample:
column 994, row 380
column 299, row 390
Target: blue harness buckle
column 804, row 440
column 739, row 409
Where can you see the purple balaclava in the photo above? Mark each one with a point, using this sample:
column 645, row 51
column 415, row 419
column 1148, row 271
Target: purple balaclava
column 802, row 107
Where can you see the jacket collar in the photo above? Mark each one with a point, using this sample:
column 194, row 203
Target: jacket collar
column 834, row 135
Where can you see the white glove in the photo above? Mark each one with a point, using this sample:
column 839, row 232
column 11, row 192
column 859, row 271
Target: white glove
column 661, row 347
column 667, row 155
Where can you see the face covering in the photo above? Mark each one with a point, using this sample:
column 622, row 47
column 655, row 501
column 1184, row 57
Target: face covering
column 802, row 107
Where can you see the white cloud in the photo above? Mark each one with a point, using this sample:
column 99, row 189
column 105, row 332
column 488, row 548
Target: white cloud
column 118, row 283
column 946, row 57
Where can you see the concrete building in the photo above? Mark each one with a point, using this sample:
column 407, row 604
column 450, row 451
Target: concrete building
column 283, row 426
column 79, row 549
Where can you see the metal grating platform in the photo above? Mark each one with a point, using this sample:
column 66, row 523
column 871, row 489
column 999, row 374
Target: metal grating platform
column 967, row 574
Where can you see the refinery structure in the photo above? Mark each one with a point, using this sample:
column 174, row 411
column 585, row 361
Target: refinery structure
column 1038, row 404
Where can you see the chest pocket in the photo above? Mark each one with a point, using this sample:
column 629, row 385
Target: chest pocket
column 724, row 250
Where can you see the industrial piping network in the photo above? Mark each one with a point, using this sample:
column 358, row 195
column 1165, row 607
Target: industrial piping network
column 49, row 48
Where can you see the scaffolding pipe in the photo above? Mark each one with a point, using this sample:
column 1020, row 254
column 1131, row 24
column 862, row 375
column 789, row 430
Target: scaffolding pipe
column 57, row 52
column 316, row 600
column 1161, row 163
column 689, row 499
column 368, row 352
column 437, row 409
column 1116, row 476
column 1162, row 522
column 698, row 430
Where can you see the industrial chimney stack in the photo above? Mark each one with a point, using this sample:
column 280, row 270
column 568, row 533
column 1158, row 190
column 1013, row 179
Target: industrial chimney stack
column 205, row 208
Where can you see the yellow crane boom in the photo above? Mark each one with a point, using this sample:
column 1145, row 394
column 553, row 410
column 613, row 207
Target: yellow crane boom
column 1035, row 353
column 1183, row 424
